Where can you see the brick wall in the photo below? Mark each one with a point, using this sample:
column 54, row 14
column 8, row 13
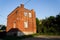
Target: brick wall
column 17, row 17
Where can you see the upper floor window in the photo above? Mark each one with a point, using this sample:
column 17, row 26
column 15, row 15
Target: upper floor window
column 25, row 13
column 30, row 15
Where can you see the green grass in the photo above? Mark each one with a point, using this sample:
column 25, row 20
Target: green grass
column 27, row 36
column 48, row 34
column 16, row 37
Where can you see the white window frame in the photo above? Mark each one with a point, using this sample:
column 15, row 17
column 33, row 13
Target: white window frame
column 25, row 24
column 25, row 13
column 30, row 15
column 14, row 25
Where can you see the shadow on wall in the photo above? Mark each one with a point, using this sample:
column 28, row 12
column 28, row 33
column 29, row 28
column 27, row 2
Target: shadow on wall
column 15, row 32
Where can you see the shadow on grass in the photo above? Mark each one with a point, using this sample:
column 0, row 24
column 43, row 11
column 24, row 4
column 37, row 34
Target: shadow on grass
column 28, row 37
column 16, row 37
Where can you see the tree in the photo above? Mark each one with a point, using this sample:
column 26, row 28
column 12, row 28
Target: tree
column 3, row 27
column 58, row 23
column 37, row 24
column 49, row 25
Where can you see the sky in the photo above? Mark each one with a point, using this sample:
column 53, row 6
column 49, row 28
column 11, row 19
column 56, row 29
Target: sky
column 42, row 8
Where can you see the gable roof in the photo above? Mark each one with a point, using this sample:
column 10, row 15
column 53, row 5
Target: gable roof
column 13, row 10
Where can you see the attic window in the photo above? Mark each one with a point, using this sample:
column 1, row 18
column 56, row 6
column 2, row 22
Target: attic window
column 25, row 13
column 16, row 12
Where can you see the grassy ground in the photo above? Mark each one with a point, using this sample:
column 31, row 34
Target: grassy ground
column 28, row 36
column 16, row 37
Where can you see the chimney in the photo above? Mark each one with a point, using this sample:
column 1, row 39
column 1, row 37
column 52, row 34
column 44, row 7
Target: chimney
column 32, row 10
column 22, row 5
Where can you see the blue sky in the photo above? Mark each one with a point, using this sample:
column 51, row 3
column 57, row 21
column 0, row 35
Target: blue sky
column 43, row 8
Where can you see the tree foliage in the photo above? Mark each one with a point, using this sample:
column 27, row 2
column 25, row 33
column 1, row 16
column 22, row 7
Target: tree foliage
column 49, row 25
column 3, row 27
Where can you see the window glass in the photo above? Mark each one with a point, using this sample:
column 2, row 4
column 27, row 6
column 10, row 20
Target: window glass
column 14, row 25
column 30, row 15
column 25, row 13
column 26, row 24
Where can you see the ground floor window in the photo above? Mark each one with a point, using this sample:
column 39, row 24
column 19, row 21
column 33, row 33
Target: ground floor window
column 25, row 24
column 14, row 25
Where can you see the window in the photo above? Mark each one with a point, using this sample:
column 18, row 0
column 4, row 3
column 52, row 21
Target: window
column 16, row 11
column 26, row 24
column 25, row 14
column 17, row 18
column 14, row 25
column 30, row 15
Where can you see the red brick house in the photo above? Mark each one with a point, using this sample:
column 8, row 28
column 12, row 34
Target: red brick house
column 22, row 19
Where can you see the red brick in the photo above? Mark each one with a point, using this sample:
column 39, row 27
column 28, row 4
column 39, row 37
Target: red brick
column 18, row 13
